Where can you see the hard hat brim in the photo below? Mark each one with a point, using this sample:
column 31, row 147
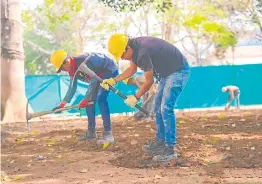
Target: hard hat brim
column 59, row 70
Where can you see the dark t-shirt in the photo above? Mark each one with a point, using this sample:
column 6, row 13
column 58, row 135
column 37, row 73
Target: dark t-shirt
column 155, row 54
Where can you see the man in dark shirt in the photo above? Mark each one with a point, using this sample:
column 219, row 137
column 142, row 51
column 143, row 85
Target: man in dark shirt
column 163, row 60
column 102, row 66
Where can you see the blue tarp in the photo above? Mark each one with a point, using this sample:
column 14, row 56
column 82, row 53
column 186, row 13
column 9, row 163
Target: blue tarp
column 203, row 89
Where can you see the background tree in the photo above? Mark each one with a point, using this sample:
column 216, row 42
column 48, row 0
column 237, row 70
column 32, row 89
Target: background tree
column 203, row 30
column 13, row 99
column 257, row 16
column 187, row 22
column 72, row 25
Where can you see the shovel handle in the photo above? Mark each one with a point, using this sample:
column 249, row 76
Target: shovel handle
column 124, row 97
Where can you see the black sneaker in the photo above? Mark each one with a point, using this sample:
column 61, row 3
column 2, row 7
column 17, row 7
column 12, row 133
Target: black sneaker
column 88, row 136
column 167, row 155
column 155, row 148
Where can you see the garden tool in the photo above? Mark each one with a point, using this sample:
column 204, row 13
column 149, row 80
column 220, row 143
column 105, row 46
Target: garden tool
column 38, row 114
column 83, row 68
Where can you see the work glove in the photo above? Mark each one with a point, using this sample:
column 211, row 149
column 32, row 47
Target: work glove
column 61, row 105
column 83, row 103
column 131, row 101
column 105, row 84
column 126, row 80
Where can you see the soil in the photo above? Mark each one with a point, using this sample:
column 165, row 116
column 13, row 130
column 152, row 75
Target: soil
column 213, row 147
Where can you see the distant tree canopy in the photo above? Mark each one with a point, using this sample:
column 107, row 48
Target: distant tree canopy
column 197, row 26
column 67, row 25
column 124, row 5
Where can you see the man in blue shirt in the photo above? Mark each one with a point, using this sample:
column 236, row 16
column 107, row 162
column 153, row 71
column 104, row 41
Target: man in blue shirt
column 103, row 67
column 162, row 60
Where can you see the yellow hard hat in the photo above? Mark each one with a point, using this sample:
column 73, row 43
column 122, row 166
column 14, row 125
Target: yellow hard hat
column 58, row 58
column 117, row 44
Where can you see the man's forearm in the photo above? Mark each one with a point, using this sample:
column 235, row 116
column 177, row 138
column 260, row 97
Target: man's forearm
column 126, row 74
column 144, row 88
column 71, row 90
column 69, row 95
column 131, row 81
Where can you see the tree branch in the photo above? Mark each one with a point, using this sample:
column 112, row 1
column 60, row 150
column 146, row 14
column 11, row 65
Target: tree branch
column 205, row 49
column 40, row 49
column 181, row 39
column 259, row 37
column 187, row 50
column 40, row 55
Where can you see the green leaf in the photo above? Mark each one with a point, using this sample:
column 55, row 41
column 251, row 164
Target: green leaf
column 212, row 10
column 99, row 27
column 211, row 27
column 48, row 3
column 195, row 21
column 65, row 17
column 28, row 20
column 226, row 39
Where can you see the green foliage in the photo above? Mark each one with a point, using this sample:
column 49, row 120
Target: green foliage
column 195, row 21
column 69, row 24
column 225, row 39
column 259, row 6
column 204, row 23
column 67, row 10
column 124, row 5
column 35, row 61
column 257, row 14
column 28, row 20
column 47, row 31
column 212, row 27
column 63, row 25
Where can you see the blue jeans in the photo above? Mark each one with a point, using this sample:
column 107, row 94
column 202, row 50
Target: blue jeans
column 168, row 92
column 103, row 106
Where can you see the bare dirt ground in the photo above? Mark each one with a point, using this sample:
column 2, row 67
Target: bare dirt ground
column 214, row 147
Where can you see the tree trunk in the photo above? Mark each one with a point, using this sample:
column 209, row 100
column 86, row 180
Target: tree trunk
column 13, row 99
column 168, row 28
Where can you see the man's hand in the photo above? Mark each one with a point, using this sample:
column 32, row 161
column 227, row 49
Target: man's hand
column 131, row 101
column 105, row 84
column 83, row 103
column 61, row 105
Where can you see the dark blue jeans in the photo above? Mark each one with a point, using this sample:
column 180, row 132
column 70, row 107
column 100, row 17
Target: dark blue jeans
column 103, row 106
column 168, row 92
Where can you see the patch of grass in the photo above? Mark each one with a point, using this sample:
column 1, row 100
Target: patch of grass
column 211, row 141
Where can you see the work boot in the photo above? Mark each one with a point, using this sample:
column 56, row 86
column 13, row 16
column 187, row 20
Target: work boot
column 167, row 155
column 88, row 136
column 146, row 118
column 107, row 138
column 155, row 148
column 138, row 116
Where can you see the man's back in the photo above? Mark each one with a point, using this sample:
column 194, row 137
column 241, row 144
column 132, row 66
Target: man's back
column 232, row 88
column 165, row 57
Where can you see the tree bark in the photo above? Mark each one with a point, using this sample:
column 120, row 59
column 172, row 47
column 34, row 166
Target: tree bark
column 13, row 99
